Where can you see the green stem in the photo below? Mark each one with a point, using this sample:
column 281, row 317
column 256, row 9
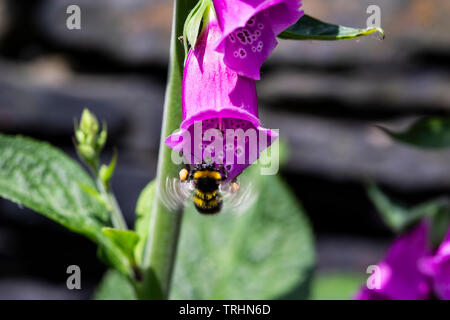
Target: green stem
column 160, row 249
column 116, row 213
column 117, row 218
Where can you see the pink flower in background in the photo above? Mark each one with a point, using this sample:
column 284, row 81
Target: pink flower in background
column 401, row 277
column 411, row 272
column 218, row 98
column 438, row 268
column 249, row 30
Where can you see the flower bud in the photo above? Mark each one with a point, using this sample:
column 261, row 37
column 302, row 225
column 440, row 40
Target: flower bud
column 87, row 152
column 89, row 123
column 101, row 141
column 88, row 138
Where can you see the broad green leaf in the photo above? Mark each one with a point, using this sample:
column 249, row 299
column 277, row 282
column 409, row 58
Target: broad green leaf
column 309, row 28
column 125, row 240
column 430, row 132
column 266, row 252
column 143, row 211
column 115, row 286
column 400, row 218
column 40, row 177
column 337, row 286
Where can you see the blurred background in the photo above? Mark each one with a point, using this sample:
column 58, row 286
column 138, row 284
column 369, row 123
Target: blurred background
column 325, row 97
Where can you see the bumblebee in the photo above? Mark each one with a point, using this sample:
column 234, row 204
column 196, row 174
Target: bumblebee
column 205, row 185
column 206, row 180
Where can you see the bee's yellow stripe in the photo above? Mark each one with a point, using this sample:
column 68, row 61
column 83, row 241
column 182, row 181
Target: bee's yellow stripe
column 205, row 204
column 199, row 202
column 206, row 173
column 205, row 195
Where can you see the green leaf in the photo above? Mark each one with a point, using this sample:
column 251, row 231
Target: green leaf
column 125, row 240
column 399, row 218
column 93, row 192
column 337, row 286
column 309, row 28
column 40, row 177
column 192, row 25
column 115, row 286
column 143, row 211
column 430, row 132
column 264, row 253
column 107, row 171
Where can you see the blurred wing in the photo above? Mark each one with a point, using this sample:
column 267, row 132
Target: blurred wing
column 175, row 193
column 239, row 201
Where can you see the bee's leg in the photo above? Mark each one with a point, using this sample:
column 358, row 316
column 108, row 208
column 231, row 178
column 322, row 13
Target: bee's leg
column 234, row 186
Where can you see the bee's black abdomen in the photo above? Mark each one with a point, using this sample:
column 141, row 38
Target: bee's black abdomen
column 208, row 207
column 210, row 211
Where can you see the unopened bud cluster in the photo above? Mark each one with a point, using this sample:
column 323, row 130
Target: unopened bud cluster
column 89, row 139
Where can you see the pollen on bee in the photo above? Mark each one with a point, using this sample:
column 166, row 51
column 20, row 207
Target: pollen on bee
column 235, row 187
column 183, row 174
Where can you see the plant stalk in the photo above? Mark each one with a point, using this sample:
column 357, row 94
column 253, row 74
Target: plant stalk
column 160, row 249
column 117, row 218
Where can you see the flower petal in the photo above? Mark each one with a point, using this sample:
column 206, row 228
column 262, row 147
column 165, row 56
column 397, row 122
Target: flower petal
column 250, row 28
column 402, row 278
column 247, row 48
column 211, row 89
column 441, row 266
column 216, row 97
column 407, row 281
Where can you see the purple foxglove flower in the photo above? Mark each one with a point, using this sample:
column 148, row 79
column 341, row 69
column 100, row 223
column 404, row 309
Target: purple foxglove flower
column 401, row 275
column 438, row 268
column 249, row 30
column 216, row 97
